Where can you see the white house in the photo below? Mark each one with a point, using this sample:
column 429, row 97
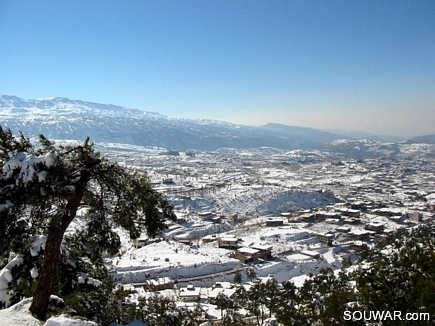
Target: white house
column 190, row 293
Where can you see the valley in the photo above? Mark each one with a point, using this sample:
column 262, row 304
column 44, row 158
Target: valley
column 283, row 214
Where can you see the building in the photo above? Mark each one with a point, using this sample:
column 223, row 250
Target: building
column 159, row 284
column 276, row 221
column 333, row 221
column 140, row 242
column 325, row 215
column 326, row 238
column 350, row 212
column 358, row 245
column 168, row 181
column 374, row 226
column 228, row 243
column 310, row 253
column 216, row 219
column 360, row 234
column 207, row 216
column 343, row 229
column 265, row 251
column 351, row 220
column 415, row 216
column 247, row 255
column 190, row 293
column 385, row 211
column 187, row 242
column 396, row 218
column 209, row 238
column 181, row 218
column 288, row 216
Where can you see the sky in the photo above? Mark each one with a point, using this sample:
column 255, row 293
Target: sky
column 329, row 64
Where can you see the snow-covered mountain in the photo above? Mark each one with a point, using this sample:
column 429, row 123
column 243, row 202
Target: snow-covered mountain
column 62, row 118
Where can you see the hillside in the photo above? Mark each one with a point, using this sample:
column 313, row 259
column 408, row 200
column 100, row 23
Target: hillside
column 428, row 139
column 62, row 118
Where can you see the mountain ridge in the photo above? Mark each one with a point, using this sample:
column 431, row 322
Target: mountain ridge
column 427, row 139
column 63, row 118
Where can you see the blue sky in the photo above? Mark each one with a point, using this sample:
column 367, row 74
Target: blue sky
column 354, row 65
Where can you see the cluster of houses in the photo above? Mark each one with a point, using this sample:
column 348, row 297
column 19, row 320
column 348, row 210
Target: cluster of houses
column 245, row 254
column 392, row 188
column 354, row 224
column 377, row 196
column 190, row 292
column 347, row 224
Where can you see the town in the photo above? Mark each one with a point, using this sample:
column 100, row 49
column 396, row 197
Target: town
column 266, row 212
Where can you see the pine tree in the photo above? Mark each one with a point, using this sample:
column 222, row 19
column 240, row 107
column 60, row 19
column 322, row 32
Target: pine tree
column 221, row 301
column 399, row 273
column 251, row 274
column 256, row 300
column 189, row 317
column 286, row 304
column 231, row 318
column 43, row 188
column 161, row 311
column 237, row 277
column 271, row 292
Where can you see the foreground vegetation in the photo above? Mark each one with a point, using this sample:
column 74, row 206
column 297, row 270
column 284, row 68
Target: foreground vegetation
column 42, row 189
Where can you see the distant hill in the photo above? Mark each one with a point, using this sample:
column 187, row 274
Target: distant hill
column 426, row 139
column 311, row 134
column 365, row 135
column 368, row 149
column 63, row 118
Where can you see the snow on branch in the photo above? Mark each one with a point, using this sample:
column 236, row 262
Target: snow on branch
column 29, row 166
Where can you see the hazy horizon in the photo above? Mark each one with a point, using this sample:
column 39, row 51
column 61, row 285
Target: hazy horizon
column 356, row 66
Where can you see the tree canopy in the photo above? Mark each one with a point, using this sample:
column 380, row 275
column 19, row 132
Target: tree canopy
column 44, row 186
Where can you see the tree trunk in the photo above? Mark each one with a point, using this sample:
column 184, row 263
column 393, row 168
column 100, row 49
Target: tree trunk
column 48, row 275
column 56, row 230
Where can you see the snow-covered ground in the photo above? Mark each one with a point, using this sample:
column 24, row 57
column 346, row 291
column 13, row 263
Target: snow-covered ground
column 19, row 315
column 244, row 189
column 180, row 261
column 172, row 259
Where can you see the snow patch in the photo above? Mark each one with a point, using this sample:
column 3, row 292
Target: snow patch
column 6, row 277
column 37, row 244
column 65, row 321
